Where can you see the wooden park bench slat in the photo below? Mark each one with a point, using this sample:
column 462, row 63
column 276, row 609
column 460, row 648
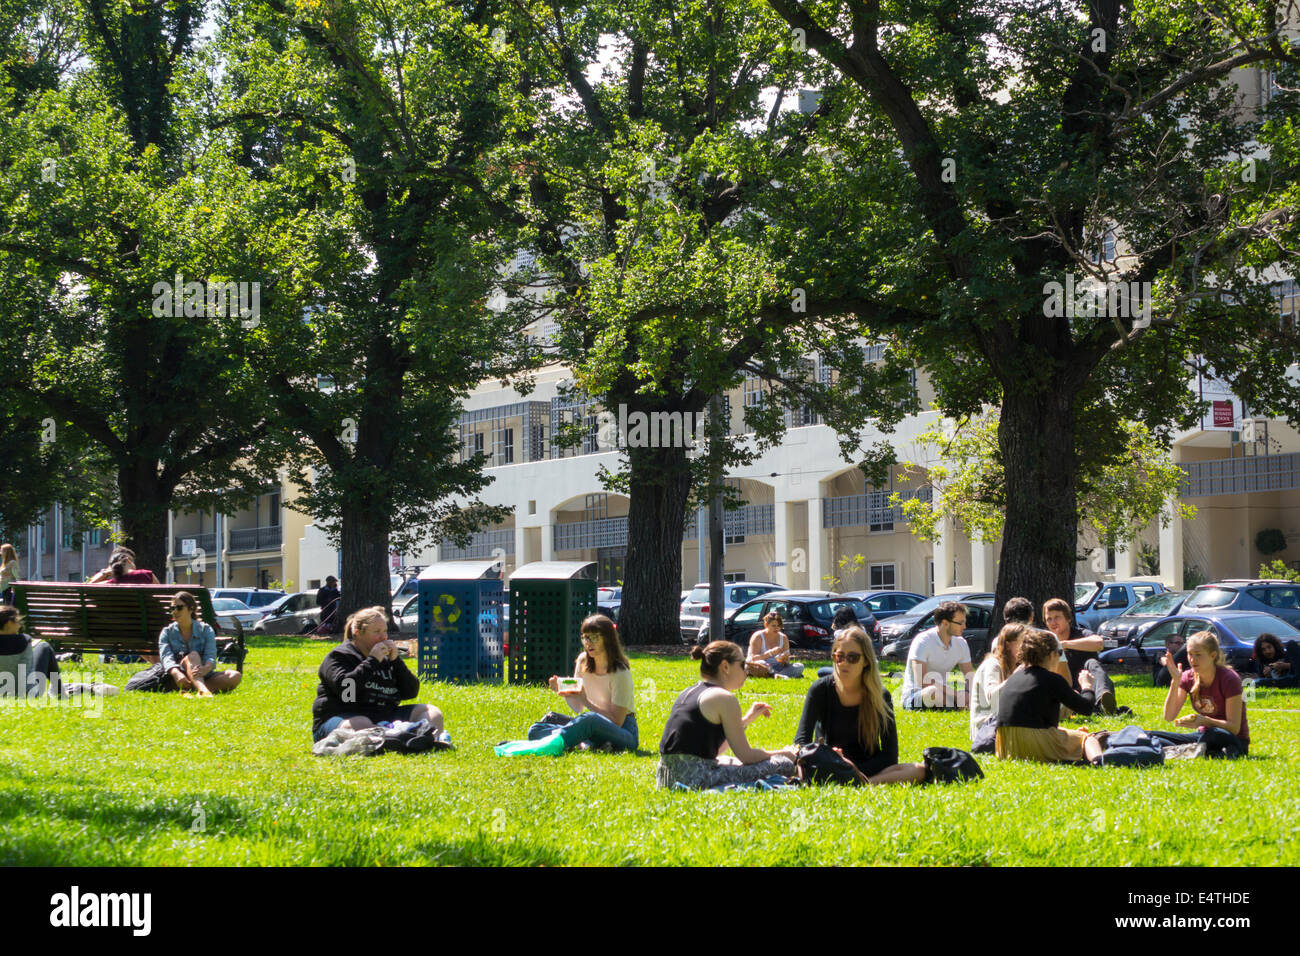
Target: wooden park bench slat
column 114, row 618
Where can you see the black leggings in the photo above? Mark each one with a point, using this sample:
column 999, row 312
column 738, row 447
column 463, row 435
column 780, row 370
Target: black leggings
column 1218, row 742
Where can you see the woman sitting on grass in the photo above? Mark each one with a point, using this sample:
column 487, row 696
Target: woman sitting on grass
column 1029, row 708
column 187, row 650
column 706, row 720
column 994, row 671
column 1278, row 666
column 1215, row 692
column 769, row 651
column 363, row 681
column 852, row 712
column 26, row 664
column 600, row 693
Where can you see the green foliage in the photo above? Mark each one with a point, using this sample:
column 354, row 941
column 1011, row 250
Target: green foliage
column 80, row 791
column 1118, row 498
column 1147, row 559
column 1278, row 570
column 847, row 566
column 1270, row 541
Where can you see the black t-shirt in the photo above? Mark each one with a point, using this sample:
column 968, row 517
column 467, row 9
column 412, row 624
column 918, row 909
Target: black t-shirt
column 824, row 715
column 353, row 683
column 1033, row 698
column 325, row 597
column 1076, row 660
column 13, row 644
column 688, row 731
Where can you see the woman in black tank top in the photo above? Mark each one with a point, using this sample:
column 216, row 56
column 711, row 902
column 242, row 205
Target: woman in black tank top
column 706, row 719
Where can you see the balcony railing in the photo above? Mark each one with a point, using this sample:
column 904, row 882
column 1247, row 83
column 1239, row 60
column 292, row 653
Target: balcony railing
column 740, row 522
column 256, row 539
column 596, row 533
column 482, row 545
column 206, row 540
column 871, row 509
column 1234, row 476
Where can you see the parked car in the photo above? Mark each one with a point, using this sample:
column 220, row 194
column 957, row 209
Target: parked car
column 1279, row 598
column 1236, row 631
column 235, row 616
column 695, row 608
column 292, row 614
column 608, row 601
column 805, row 615
column 887, row 604
column 979, row 615
column 408, row 618
column 900, row 624
column 1096, row 602
column 1140, row 618
column 405, row 590
column 255, row 598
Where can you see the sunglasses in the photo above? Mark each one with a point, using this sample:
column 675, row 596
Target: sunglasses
column 841, row 657
column 176, row 607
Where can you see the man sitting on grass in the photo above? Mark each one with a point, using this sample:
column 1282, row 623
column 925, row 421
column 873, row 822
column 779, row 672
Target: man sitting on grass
column 1081, row 649
column 933, row 654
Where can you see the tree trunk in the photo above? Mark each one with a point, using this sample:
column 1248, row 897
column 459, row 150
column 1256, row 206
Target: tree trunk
column 660, row 483
column 144, row 514
column 1040, row 538
column 364, row 540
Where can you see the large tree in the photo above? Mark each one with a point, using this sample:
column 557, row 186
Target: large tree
column 1004, row 144
column 669, row 180
column 378, row 123
column 109, row 186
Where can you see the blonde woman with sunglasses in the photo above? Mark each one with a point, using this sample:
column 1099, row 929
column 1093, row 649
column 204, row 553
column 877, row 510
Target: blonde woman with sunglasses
column 852, row 712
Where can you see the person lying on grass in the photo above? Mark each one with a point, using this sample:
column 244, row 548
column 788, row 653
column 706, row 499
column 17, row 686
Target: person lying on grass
column 363, row 681
column 187, row 651
column 1219, row 713
column 852, row 712
column 1279, row 666
column 600, row 693
column 705, row 721
column 1029, row 708
column 769, row 651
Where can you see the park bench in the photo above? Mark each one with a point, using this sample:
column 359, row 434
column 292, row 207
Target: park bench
column 114, row 618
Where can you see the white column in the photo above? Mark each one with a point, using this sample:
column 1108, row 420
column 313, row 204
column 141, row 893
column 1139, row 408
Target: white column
column 548, row 538
column 170, row 574
column 818, row 546
column 781, row 536
column 521, row 547
column 943, row 555
column 58, row 541
column 1126, row 561
column 1171, row 550
column 983, row 566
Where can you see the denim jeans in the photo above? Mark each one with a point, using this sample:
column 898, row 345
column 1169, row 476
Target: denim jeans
column 1218, row 741
column 593, row 728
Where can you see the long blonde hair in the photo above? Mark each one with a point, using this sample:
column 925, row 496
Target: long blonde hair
column 872, row 713
column 1207, row 641
column 7, row 553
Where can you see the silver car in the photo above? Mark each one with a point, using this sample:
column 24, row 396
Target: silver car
column 292, row 614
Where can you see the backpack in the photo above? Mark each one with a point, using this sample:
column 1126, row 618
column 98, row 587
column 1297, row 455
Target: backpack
column 818, row 763
column 949, row 765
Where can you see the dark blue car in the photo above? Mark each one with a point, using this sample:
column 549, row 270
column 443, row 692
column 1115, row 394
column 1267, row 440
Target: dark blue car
column 1236, row 631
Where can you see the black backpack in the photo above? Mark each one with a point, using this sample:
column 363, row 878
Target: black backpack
column 818, row 763
column 950, row 765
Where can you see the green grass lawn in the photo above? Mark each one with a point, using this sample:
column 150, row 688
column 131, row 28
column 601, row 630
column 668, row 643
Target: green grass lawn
column 162, row 780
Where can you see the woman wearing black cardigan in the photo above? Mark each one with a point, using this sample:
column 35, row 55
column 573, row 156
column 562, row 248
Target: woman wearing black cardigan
column 852, row 712
column 1029, row 708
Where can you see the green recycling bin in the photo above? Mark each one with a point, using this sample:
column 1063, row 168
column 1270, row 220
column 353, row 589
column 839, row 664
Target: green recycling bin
column 548, row 601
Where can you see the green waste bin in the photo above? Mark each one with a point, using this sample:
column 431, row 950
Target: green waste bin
column 548, row 601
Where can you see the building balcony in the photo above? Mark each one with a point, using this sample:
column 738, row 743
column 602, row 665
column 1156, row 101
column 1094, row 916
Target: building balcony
column 483, row 544
column 206, row 541
column 739, row 522
column 256, row 539
column 871, row 509
column 596, row 533
column 1235, row 476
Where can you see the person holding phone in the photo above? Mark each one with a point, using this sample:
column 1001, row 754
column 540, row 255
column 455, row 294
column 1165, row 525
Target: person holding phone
column 600, row 692
column 1218, row 710
column 705, row 721
column 852, row 712
column 364, row 680
column 769, row 651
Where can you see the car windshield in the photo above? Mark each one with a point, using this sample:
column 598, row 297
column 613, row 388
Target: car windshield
column 1211, row 597
column 698, row 596
column 826, row 610
column 229, row 604
column 1249, row 628
column 930, row 603
column 1083, row 593
column 1156, row 606
column 263, row 598
column 278, row 602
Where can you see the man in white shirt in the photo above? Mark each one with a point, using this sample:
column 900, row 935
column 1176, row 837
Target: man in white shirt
column 932, row 656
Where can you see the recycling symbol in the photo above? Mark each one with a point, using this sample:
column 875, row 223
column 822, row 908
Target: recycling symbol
column 450, row 601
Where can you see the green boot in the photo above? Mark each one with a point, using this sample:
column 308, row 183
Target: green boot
column 551, row 746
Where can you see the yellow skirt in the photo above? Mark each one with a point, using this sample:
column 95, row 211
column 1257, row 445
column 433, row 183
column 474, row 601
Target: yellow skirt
column 1047, row 744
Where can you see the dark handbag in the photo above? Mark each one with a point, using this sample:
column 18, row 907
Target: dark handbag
column 1131, row 747
column 949, row 765
column 152, row 679
column 986, row 737
column 818, row 763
